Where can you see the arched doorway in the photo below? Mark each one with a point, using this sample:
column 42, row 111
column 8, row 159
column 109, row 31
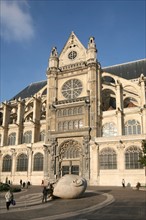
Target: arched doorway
column 70, row 154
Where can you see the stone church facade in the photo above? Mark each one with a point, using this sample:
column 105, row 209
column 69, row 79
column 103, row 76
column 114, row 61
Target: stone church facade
column 84, row 120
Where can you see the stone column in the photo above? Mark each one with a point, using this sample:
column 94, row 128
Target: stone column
column 143, row 105
column 6, row 116
column 13, row 165
column 53, row 159
column 20, row 115
column 29, row 154
column 36, row 117
column 45, row 168
column 1, row 166
column 119, row 108
column 87, row 109
column 142, row 84
column 94, row 163
column 99, row 102
column 120, row 159
column 144, row 120
column 86, row 157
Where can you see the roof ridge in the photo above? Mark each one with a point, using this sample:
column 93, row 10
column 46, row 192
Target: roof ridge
column 124, row 63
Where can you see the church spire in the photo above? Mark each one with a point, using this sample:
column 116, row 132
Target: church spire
column 53, row 60
column 91, row 51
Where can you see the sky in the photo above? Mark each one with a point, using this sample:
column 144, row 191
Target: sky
column 30, row 28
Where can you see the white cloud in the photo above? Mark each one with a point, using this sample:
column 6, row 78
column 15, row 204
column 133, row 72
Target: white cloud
column 16, row 21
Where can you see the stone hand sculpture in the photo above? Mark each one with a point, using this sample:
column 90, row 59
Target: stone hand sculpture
column 70, row 187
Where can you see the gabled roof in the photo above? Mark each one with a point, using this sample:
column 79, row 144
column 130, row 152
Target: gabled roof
column 72, row 44
column 130, row 70
column 30, row 90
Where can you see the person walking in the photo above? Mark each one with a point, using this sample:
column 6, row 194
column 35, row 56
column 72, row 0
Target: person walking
column 45, row 193
column 123, row 183
column 138, row 185
column 9, row 197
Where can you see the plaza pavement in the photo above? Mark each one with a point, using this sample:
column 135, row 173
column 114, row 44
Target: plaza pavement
column 89, row 206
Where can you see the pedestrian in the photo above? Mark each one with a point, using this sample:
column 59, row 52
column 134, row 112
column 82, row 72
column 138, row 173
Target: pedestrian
column 9, row 197
column 51, row 191
column 138, row 185
column 123, row 183
column 45, row 193
column 21, row 182
column 42, row 182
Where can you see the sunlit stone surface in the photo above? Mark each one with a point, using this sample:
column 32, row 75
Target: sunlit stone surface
column 70, row 187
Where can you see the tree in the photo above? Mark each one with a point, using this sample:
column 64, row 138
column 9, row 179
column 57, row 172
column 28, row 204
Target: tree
column 142, row 159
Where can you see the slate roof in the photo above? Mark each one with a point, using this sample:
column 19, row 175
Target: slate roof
column 130, row 70
column 30, row 90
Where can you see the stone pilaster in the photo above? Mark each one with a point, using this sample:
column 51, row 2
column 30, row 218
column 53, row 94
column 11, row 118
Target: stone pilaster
column 120, row 159
column 29, row 153
column 86, row 157
column 6, row 116
column 99, row 101
column 94, row 163
column 53, row 159
column 13, row 165
column 0, row 165
column 119, row 108
column 46, row 155
column 20, row 115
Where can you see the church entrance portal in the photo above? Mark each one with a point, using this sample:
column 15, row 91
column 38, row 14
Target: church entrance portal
column 70, row 153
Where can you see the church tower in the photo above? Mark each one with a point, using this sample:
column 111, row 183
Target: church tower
column 72, row 105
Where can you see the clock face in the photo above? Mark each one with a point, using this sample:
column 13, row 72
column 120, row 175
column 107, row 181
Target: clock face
column 72, row 88
column 72, row 55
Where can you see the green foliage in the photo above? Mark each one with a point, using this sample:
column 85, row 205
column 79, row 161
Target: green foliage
column 142, row 159
column 5, row 187
column 16, row 189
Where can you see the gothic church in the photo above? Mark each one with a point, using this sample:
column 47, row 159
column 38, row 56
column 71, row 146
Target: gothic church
column 84, row 120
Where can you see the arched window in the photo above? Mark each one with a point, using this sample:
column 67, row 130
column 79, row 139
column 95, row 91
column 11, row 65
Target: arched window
column 59, row 113
column 65, row 112
column 130, row 102
column 42, row 135
column 22, row 162
column 109, row 129
column 65, row 125
column 108, row 159
column 27, row 137
column 76, row 124
column 109, row 100
column 60, row 126
column 7, row 163
column 75, row 111
column 29, row 117
column 70, row 149
column 80, row 110
column 70, row 125
column 43, row 111
column 38, row 162
column 132, row 127
column 132, row 156
column 70, row 111
column 80, row 123
column 12, row 139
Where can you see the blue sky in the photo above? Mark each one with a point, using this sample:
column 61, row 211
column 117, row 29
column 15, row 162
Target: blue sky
column 30, row 28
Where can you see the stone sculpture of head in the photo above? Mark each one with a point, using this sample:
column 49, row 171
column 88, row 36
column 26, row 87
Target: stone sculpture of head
column 70, row 187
